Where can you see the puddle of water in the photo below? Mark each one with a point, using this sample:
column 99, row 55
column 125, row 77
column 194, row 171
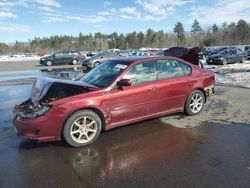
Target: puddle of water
column 9, row 96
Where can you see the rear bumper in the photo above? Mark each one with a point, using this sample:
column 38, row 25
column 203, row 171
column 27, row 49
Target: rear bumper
column 209, row 90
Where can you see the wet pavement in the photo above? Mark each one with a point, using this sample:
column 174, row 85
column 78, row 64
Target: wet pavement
column 208, row 150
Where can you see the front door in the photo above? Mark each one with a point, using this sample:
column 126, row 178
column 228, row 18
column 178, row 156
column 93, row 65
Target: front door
column 132, row 103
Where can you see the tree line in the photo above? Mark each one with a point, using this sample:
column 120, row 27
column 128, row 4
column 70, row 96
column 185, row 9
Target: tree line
column 225, row 34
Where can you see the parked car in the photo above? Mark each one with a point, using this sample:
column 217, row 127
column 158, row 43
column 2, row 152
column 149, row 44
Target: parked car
column 161, row 51
column 247, row 54
column 152, row 52
column 90, row 54
column 63, row 57
column 98, row 59
column 125, row 53
column 118, row 92
column 246, row 48
column 229, row 55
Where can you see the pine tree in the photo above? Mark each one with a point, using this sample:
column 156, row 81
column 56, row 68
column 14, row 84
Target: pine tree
column 180, row 33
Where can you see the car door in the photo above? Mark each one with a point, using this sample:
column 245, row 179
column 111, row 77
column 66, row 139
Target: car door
column 132, row 103
column 172, row 87
column 231, row 56
column 67, row 57
column 239, row 55
column 58, row 58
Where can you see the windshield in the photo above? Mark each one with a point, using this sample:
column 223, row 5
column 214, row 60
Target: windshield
column 104, row 74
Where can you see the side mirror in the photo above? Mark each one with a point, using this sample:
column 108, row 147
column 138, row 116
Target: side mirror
column 124, row 82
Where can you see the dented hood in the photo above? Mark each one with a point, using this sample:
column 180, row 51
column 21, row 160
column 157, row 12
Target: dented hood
column 42, row 85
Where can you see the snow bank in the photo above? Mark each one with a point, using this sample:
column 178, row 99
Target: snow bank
column 18, row 58
column 237, row 74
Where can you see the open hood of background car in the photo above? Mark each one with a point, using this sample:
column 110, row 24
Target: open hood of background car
column 188, row 54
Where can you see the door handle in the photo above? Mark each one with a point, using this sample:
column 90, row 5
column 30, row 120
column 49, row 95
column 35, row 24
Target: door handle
column 151, row 88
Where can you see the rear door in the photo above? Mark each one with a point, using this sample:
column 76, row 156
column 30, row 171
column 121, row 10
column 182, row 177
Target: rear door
column 172, row 87
column 133, row 102
column 239, row 55
column 67, row 58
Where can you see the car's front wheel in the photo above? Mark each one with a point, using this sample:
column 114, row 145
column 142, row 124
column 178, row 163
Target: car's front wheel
column 195, row 103
column 74, row 61
column 49, row 63
column 82, row 128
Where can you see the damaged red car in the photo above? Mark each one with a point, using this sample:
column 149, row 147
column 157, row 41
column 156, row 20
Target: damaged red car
column 118, row 92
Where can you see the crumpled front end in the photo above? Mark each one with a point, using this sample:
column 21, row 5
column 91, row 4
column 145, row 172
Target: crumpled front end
column 37, row 118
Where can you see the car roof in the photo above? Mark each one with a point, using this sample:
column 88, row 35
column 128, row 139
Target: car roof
column 131, row 59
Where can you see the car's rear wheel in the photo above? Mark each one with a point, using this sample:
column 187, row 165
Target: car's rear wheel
column 243, row 60
column 74, row 61
column 97, row 63
column 195, row 103
column 224, row 61
column 49, row 63
column 82, row 128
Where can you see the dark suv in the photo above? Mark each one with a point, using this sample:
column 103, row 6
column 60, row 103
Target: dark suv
column 63, row 57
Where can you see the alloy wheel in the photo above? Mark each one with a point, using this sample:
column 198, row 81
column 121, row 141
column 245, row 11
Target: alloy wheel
column 196, row 103
column 83, row 129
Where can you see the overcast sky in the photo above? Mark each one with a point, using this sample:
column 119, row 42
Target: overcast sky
column 25, row 19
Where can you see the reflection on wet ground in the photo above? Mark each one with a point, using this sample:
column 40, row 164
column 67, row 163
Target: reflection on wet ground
column 9, row 96
column 147, row 154
column 20, row 77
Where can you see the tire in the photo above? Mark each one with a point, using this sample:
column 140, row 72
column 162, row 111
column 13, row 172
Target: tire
column 243, row 60
column 97, row 63
column 49, row 63
column 194, row 103
column 82, row 128
column 74, row 61
column 224, row 61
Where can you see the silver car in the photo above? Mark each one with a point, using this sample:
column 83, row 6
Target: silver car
column 98, row 59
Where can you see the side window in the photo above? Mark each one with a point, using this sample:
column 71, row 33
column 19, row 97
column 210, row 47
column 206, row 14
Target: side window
column 142, row 73
column 239, row 51
column 67, row 54
column 186, row 68
column 59, row 55
column 168, row 68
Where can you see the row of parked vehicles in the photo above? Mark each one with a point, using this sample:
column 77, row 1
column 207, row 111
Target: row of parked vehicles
column 215, row 56
column 91, row 59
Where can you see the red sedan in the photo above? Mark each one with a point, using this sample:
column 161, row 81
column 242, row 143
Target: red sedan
column 116, row 93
